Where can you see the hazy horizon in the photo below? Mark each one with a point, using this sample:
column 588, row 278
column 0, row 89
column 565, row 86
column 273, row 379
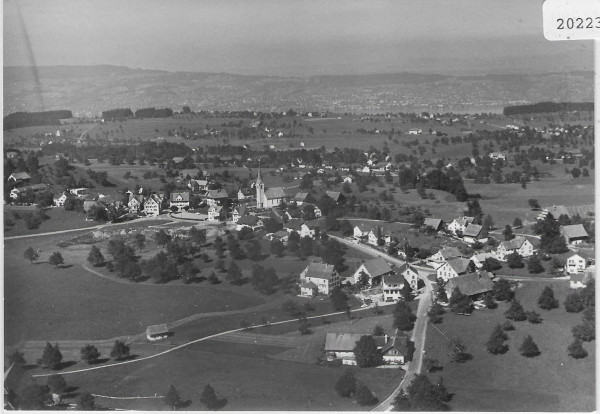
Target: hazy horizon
column 301, row 39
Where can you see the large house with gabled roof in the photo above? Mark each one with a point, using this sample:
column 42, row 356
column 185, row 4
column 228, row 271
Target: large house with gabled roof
column 579, row 262
column 459, row 225
column 318, row 278
column 455, row 267
column 520, row 245
column 180, row 199
column 375, row 269
column 574, row 233
column 473, row 284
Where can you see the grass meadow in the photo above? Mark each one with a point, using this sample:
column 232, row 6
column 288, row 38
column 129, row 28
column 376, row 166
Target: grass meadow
column 552, row 381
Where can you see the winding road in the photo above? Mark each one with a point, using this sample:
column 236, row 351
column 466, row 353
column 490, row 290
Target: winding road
column 419, row 331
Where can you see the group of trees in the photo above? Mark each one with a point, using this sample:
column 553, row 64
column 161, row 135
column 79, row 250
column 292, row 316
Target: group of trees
column 585, row 301
column 348, row 386
column 209, row 398
column 422, row 395
column 55, row 258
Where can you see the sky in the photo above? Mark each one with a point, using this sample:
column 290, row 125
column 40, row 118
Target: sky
column 288, row 37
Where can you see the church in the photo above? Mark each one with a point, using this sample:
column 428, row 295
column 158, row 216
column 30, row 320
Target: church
column 268, row 197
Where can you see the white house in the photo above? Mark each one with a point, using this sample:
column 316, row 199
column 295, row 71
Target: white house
column 321, row 277
column 362, row 230
column 415, row 132
column 152, row 205
column 579, row 262
column 479, row 258
column 519, row 244
column 317, row 212
column 347, row 179
column 215, row 213
column 444, row 254
column 135, row 203
column 60, row 201
column 581, row 280
column 392, row 285
column 79, row 192
column 459, row 225
column 237, row 213
column 375, row 269
column 455, row 267
column 411, row 275
column 18, row 177
column 180, row 199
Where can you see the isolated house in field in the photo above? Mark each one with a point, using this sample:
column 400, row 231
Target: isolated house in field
column 180, row 199
column 519, row 244
column 375, row 269
column 249, row 221
column 474, row 233
column 415, row 131
column 579, row 262
column 394, row 349
column 436, row 224
column 392, row 285
column 79, row 192
column 473, row 285
column 574, row 234
column 157, row 332
column 19, row 178
column 458, row 266
column 321, row 277
column 459, row 225
column 152, row 205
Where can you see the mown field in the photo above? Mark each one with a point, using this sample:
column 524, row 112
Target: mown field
column 58, row 220
column 552, row 381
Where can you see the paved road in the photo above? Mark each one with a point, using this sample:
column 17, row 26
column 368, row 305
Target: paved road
column 419, row 332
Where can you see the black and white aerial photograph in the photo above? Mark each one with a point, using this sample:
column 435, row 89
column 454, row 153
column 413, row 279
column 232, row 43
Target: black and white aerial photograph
column 297, row 205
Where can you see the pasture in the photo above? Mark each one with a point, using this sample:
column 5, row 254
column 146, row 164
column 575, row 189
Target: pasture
column 552, row 381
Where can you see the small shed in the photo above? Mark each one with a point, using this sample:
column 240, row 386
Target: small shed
column 158, row 332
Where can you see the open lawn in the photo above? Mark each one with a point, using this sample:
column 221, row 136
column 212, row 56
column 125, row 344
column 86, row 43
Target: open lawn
column 552, row 381
column 77, row 304
column 59, row 219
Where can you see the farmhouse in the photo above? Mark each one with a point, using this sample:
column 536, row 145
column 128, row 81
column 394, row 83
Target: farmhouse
column 579, row 262
column 180, row 199
column 198, row 185
column 320, row 276
column 60, row 201
column 216, row 197
column 411, row 275
column 135, row 203
column 336, row 196
column 79, row 192
column 415, row 132
column 436, row 224
column 375, row 269
column 237, row 213
column 519, row 245
column 473, row 285
column 459, row 225
column 341, row 346
column 301, row 198
column 157, row 332
column 392, row 285
column 574, row 234
column 455, row 267
column 19, row 177
column 479, row 258
column 473, row 233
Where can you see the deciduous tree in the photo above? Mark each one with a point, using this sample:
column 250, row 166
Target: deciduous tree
column 51, row 356
column 576, row 349
column 495, row 345
column 56, row 259
column 57, row 384
column 120, row 350
column 211, row 400
column 366, row 352
column 345, row 386
column 95, row 257
column 90, row 354
column 403, row 316
column 86, row 402
column 364, row 396
column 172, row 398
column 30, row 254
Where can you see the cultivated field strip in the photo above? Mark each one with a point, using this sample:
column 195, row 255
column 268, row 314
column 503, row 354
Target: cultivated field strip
column 258, row 339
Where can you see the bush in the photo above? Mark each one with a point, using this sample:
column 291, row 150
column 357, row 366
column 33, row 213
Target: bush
column 364, row 396
column 584, row 331
column 533, row 317
column 515, row 312
column 576, row 349
column 574, row 303
column 345, row 386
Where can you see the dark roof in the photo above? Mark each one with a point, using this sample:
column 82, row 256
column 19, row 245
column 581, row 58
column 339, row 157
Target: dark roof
column 471, row 284
column 393, row 279
column 377, row 267
column 20, row 176
column 275, row 192
column 300, row 196
column 473, row 230
column 399, row 342
column 342, row 341
column 335, row 195
column 573, row 231
column 294, row 224
column 433, row 222
column 185, row 195
column 319, row 271
column 216, row 194
column 248, row 220
column 157, row 329
column 459, row 264
column 514, row 244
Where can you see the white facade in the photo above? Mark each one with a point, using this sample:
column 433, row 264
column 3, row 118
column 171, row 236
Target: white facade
column 577, row 264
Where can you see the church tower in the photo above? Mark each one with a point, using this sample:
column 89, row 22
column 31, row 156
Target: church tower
column 260, row 191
